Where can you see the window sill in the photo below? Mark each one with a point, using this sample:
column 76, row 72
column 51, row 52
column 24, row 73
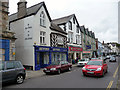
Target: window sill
column 43, row 44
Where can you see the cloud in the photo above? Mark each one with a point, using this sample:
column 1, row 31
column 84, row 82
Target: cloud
column 100, row 16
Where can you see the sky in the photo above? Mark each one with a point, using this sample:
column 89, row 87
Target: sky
column 99, row 16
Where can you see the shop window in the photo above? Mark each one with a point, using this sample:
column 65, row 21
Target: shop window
column 46, row 58
column 38, row 58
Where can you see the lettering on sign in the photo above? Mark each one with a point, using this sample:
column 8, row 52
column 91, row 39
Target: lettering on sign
column 55, row 49
column 45, row 49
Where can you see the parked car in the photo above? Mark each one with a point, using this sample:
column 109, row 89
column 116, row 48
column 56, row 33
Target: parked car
column 12, row 71
column 107, row 57
column 58, row 67
column 82, row 62
column 95, row 68
column 112, row 59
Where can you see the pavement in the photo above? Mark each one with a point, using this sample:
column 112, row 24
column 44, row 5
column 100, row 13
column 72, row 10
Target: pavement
column 118, row 84
column 32, row 74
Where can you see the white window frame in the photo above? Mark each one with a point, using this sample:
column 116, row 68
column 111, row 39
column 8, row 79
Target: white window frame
column 42, row 35
column 42, row 19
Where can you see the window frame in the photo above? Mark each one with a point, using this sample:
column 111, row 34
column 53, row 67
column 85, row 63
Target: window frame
column 42, row 19
column 43, row 35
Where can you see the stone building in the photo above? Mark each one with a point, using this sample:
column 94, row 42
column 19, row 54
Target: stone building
column 7, row 38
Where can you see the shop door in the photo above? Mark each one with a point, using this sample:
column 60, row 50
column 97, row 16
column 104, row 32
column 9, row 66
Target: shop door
column 38, row 61
column 44, row 59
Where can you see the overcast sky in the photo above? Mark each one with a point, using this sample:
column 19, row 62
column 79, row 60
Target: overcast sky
column 100, row 16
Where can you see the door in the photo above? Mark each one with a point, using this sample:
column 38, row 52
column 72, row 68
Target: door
column 37, row 66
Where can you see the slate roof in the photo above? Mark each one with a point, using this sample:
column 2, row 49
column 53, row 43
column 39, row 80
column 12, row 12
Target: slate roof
column 82, row 29
column 30, row 11
column 56, row 27
column 63, row 20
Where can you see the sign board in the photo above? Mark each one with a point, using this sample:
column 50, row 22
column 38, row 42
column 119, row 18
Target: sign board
column 75, row 49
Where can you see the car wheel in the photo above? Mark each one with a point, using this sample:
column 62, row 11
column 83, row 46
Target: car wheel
column 59, row 71
column 106, row 71
column 69, row 68
column 19, row 79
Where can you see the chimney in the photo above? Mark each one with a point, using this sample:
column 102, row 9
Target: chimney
column 103, row 42
column 22, row 8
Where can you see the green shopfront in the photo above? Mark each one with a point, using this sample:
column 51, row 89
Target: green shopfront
column 45, row 55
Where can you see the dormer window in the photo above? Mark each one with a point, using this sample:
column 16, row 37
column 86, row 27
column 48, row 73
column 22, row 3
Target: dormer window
column 74, row 20
column 77, row 29
column 70, row 25
column 42, row 19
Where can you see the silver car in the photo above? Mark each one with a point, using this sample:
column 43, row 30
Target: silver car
column 112, row 59
column 12, row 71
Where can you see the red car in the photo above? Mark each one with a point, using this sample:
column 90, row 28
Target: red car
column 58, row 67
column 95, row 68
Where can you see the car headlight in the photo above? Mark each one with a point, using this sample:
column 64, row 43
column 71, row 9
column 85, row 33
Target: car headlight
column 99, row 69
column 84, row 68
column 45, row 68
column 53, row 69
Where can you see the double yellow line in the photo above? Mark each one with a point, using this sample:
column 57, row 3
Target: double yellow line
column 111, row 82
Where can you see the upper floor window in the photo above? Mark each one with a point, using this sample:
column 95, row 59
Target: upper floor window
column 64, row 27
column 70, row 25
column 70, row 37
column 42, row 19
column 74, row 20
column 42, row 37
column 77, row 29
column 78, row 39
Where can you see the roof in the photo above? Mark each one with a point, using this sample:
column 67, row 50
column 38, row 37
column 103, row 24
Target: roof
column 82, row 29
column 30, row 11
column 57, row 28
column 63, row 20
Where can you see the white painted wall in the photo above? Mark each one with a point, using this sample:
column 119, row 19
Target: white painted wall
column 24, row 48
column 38, row 28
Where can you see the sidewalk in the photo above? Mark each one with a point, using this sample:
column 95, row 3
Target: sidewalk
column 39, row 73
column 118, row 84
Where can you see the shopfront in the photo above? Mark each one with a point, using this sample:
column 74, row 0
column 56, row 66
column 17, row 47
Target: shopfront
column 44, row 55
column 74, row 53
column 86, row 54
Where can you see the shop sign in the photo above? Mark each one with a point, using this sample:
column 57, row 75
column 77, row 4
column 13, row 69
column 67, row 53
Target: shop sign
column 44, row 49
column 75, row 49
column 86, row 51
column 59, row 49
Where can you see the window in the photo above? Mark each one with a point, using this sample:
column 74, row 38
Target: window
column 77, row 29
column 18, row 65
column 70, row 25
column 74, row 20
column 78, row 39
column 10, row 65
column 64, row 27
column 42, row 37
column 42, row 19
column 70, row 37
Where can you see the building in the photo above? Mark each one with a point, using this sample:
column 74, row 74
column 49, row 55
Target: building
column 114, row 48
column 119, row 22
column 7, row 38
column 71, row 26
column 88, row 42
column 100, row 49
column 40, row 41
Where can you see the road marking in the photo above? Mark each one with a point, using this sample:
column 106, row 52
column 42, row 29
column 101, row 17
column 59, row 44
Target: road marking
column 116, row 71
column 109, row 86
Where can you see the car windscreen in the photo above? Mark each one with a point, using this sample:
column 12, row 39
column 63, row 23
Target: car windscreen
column 94, row 63
column 55, row 63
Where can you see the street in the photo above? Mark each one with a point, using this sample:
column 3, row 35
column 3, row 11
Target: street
column 73, row 79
